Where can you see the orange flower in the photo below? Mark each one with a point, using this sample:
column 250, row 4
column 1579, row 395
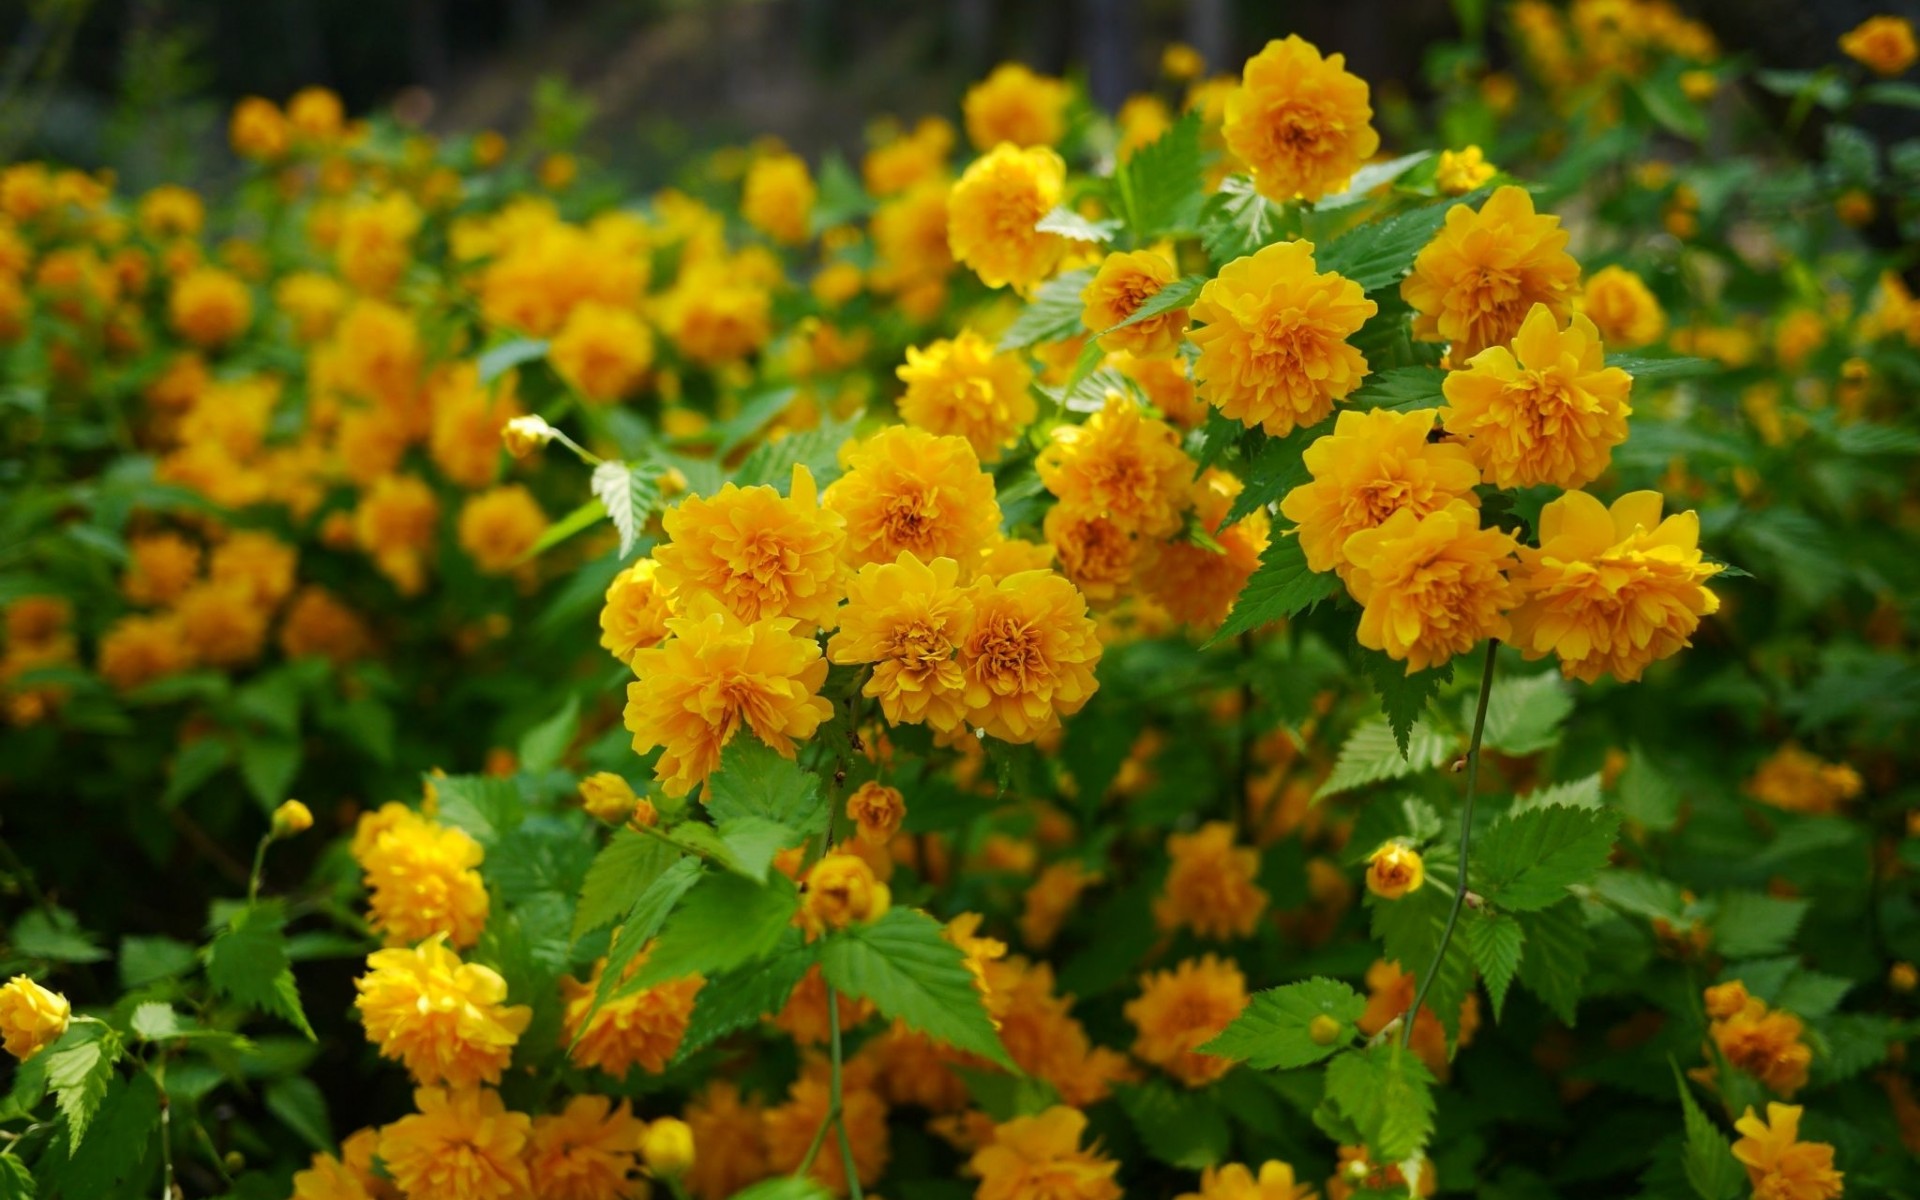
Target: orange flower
column 641, row 1028
column 729, row 1140
column 759, row 554
column 1125, row 282
column 1781, row 1166
column 1433, row 586
column 635, row 614
column 1300, row 122
column 461, row 1145
column 1391, row 995
column 1884, row 44
column 1210, row 887
column 602, row 352
column 1766, row 1044
column 445, row 1019
column 586, row 1151
column 1180, row 1010
column 1037, row 1157
column 1796, row 781
column 1198, row 584
column 1394, row 870
column 209, row 307
column 992, row 211
column 1622, row 308
column 1052, row 897
column 1121, row 464
column 907, row 490
column 1029, row 657
column 790, row 1128
column 963, row 387
column 877, row 811
column 498, row 528
column 839, row 891
column 1483, row 273
column 1235, row 1182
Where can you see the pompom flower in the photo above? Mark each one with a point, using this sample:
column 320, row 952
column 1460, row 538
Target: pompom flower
column 636, row 611
column 840, row 890
column 731, row 1146
column 1458, row 173
column 907, row 490
column 1300, row 122
column 1484, row 271
column 422, row 878
column 602, row 352
column 1125, row 282
column 642, row 1028
column 1198, row 584
column 1041, row 1156
column 498, row 527
column 1779, row 1165
column 1121, row 464
column 778, row 198
column 1210, row 886
column 992, row 211
column 587, row 1151
column 961, row 386
column 1548, row 411
column 446, row 1020
column 1030, row 655
column 1237, row 1182
column 209, row 307
column 1273, row 333
column 1094, row 551
column 1373, row 465
column 1179, row 1011
column 1013, row 104
column 1797, row 781
column 1394, row 869
column 463, row 1144
column 1884, row 44
column 1622, row 308
column 1431, row 587
column 759, row 554
column 876, row 811
column 1611, row 590
column 31, row 1017
column 907, row 618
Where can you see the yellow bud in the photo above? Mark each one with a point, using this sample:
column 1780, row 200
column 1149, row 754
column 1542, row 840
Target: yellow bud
column 292, row 817
column 667, row 1147
column 672, row 482
column 31, row 1017
column 524, row 435
column 607, row 797
column 1903, row 977
column 644, row 814
column 1324, row 1030
column 1394, row 870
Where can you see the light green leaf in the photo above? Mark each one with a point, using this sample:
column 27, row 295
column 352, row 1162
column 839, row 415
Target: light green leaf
column 79, row 1068
column 1709, row 1162
column 248, row 964
column 54, row 935
column 816, row 449
column 621, row 873
column 913, row 974
column 1528, row 860
column 629, row 492
column 542, row 746
column 1403, row 697
column 581, row 519
column 754, row 780
column 484, row 806
column 1497, row 944
column 1369, row 178
column 1524, row 712
column 1387, row 1092
column 642, row 922
column 1575, row 793
column 1237, row 220
column 1643, row 368
column 16, row 1182
column 145, row 960
column 1371, row 754
column 1647, row 796
column 752, row 842
column 1380, row 253
column 1054, row 315
column 1181, row 293
column 155, row 1020
column 1160, row 183
column 1070, row 224
column 503, row 358
column 785, row 1187
column 724, row 921
column 1274, row 1031
column 1281, row 587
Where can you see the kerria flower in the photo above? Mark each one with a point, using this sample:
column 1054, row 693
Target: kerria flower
column 1013, row 104
column 1456, row 174
column 876, row 811
column 1210, row 886
column 777, row 198
column 1484, row 271
column 636, row 611
column 498, row 527
column 1041, row 1156
column 1431, row 587
column 31, row 1017
column 463, row 1144
column 1612, row 590
column 1125, row 282
column 732, row 1145
column 1029, row 657
column 422, row 878
column 1797, row 781
column 446, row 1020
column 907, row 490
column 961, row 386
column 1394, row 869
column 840, row 890
column 1373, row 465
column 790, row 1127
column 587, row 1151
column 640, row 1028
column 1300, row 122
column 1198, row 584
column 1883, row 44
column 1766, row 1043
column 1093, row 550
column 1236, row 1182
column 1121, row 464
column 715, row 676
column 1273, row 333
column 1179, row 1011
column 1622, row 308
column 209, row 307
column 759, row 554
column 1548, row 411
column 992, row 211
column 1052, row 897
column 1043, row 1038
column 602, row 352
column 907, row 618
column 1779, row 1165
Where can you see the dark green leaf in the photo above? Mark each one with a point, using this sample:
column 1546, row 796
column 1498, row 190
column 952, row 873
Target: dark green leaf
column 912, row 973
column 248, row 964
column 724, row 921
column 754, row 780
column 1497, row 944
column 1281, row 587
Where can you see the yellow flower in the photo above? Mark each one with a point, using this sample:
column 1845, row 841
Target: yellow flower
column 291, row 818
column 1142, row 119
column 138, row 650
column 761, row 555
column 1210, row 886
column 497, row 528
column 1373, row 465
column 1623, row 309
column 422, row 878
column 1483, row 273
column 1180, row 1010
column 258, row 129
column 170, row 211
column 314, row 302
column 1236, row 1182
column 1118, row 289
column 1611, row 590
column 790, row 1128
column 1015, row 105
column 1040, row 1158
column 839, row 891
column 1767, row 1044
column 876, row 811
column 446, row 1020
column 778, row 198
column 963, row 388
column 730, row 1150
column 1121, row 464
column 1300, row 122
column 1273, row 339
column 1052, row 897
column 607, row 797
column 1394, row 870
column 909, row 491
column 641, row 1029
column 717, row 314
column 1432, row 586
column 318, row 625
column 1781, row 1166
column 468, row 424
column 209, row 307
column 523, row 435
column 635, row 614
column 1181, row 62
column 31, row 1017
column 463, row 1144
column 1884, row 44
column 910, row 242
column 907, row 617
column 587, row 1151
column 222, row 624
column 375, row 236
column 163, row 566
column 1460, row 172
column 316, row 114
column 714, row 676
column 992, row 211
column 1796, row 781
column 603, row 353
column 1093, row 550
column 1547, row 411
column 257, row 562
column 909, row 159
column 1030, row 656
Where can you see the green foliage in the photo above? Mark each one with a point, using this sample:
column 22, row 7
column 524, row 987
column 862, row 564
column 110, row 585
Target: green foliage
column 1710, row 1166
column 1183, row 1129
column 755, row 781
column 79, row 1068
column 1054, row 314
column 1372, row 753
column 1280, row 588
column 913, row 974
column 1554, row 966
column 1237, row 220
column 248, row 964
column 1387, row 1092
column 1497, row 943
column 721, row 923
column 621, row 873
column 1524, row 712
column 742, row 996
column 1381, row 253
column 629, row 492
column 1275, row 1032
column 1159, row 183
column 1527, row 861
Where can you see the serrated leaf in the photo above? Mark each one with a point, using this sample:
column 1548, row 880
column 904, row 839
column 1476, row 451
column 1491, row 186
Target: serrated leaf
column 1070, row 224
column 145, row 960
column 79, row 1068
column 1181, row 293
column 628, row 491
column 621, row 873
column 1282, row 586
column 1497, row 944
column 752, row 842
column 1403, row 697
column 1160, row 183
column 154, row 1021
column 1751, row 924
column 1369, row 178
column 1054, row 315
column 1181, row 1128
column 484, row 806
column 913, row 974
column 1528, row 860
column 16, row 1182
column 1236, row 221
column 743, row 996
column 1524, row 712
column 248, row 963
column 724, row 920
column 1274, row 1031
column 785, row 1187
column 640, row 925
column 1646, row 796
column 55, row 935
column 754, row 780
column 1401, row 389
column 816, row 449
column 1387, row 1092
column 1708, row 1158
column 1276, row 468
column 1380, row 253
column 1555, row 964
column 298, row 1103
column 1371, row 753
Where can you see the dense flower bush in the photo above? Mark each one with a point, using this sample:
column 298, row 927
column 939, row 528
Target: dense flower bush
column 1170, row 654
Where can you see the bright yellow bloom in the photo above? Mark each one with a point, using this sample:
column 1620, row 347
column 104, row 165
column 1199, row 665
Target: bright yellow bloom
column 635, row 614
column 910, row 159
column 258, row 129
column 1181, row 62
column 1797, row 781
column 910, row 243
column 668, row 1147
column 1461, row 172
column 1210, row 886
column 641, row 1029
column 962, row 387
column 840, row 890
column 1547, row 411
column 1300, row 122
column 909, row 491
column 1040, row 1158
column 713, row 677
column 1611, row 590
column 717, row 313
column 587, row 1151
column 468, row 424
column 1236, row 1182
column 1198, row 584
column 379, row 355
column 1273, row 339
column 1432, row 586
column 1125, row 282
column 31, row 1017
column 1623, row 309
column 1142, row 119
column 257, row 562
column 463, row 1144
column 1766, row 1043
column 876, row 811
column 1015, row 105
column 1781, row 1166
column 759, row 554
column 497, row 528
column 163, row 566
column 1394, row 870
column 1030, row 656
column 209, row 307
column 1484, row 271
column 1373, row 465
column 446, row 1020
column 523, row 435
column 603, row 353
column 1180, row 1010
column 992, row 211
column 422, row 878
column 778, row 198
column 1884, row 44
column 907, row 617
column 1121, row 464
column 607, row 797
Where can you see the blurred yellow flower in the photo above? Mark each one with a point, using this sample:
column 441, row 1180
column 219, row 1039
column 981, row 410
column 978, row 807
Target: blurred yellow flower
column 1013, row 104
column 778, row 198
column 1883, row 44
column 1125, row 282
column 992, row 211
column 1180, row 1010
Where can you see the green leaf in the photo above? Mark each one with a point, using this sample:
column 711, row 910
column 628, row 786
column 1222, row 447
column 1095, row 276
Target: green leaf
column 1401, row 389
column 1643, row 368
column 155, row 1021
column 785, row 1187
column 268, row 764
column 1371, row 753
column 642, row 922
column 629, row 492
column 581, row 519
column 145, row 960
column 503, row 358
column 248, row 963
column 1380, row 253
column 1527, row 861
column 752, row 842
column 1274, row 1031
column 542, row 746
column 1160, row 183
column 297, row 1101
column 742, row 996
column 1182, row 1128
column 842, row 199
column 1369, row 178
column 754, row 780
column 196, row 764
column 1280, row 588
column 724, row 921
column 913, row 974
column 1181, row 293
column 79, row 1068
column 1276, row 469
column 1497, row 944
column 1070, row 224
column 1752, row 924
column 486, row 807
column 1236, row 221
column 1411, row 929
column 1054, row 315
column 1555, row 964
column 816, row 449
column 1387, row 1092
column 621, row 873
column 1709, row 1162
column 16, row 1182
column 1646, row 796
column 1403, row 697
column 1524, row 712
column 54, row 935
column 1575, row 793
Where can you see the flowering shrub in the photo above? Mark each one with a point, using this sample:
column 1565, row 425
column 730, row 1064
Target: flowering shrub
column 1167, row 655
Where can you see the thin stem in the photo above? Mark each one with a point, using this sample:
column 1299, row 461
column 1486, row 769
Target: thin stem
column 166, row 1133
column 259, row 867
column 1466, row 841
column 838, row 1107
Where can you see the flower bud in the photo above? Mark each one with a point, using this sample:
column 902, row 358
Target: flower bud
column 878, row 810
column 841, row 891
column 524, row 435
column 291, row 818
column 607, row 797
column 31, row 1017
column 667, row 1147
column 1324, row 1030
column 1394, row 870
